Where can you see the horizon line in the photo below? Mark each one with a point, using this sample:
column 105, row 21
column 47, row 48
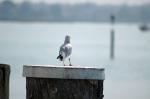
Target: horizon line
column 76, row 3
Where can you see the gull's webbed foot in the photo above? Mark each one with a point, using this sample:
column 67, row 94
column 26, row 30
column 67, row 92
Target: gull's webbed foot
column 64, row 63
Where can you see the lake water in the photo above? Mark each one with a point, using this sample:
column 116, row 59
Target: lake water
column 127, row 76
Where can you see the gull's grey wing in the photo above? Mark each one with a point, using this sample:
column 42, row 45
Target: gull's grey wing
column 61, row 49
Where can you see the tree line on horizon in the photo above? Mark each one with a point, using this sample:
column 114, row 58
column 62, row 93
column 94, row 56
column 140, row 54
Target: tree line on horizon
column 27, row 11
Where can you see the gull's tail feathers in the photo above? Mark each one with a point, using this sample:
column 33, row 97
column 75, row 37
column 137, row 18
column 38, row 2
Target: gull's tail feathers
column 60, row 57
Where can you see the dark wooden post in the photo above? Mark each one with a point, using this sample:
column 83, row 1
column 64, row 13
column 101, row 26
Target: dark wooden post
column 4, row 81
column 112, row 38
column 59, row 82
column 112, row 44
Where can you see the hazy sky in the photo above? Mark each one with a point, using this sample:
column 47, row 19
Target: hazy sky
column 131, row 2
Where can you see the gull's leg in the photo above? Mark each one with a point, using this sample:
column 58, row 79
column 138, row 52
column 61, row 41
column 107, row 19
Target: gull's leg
column 64, row 63
column 70, row 62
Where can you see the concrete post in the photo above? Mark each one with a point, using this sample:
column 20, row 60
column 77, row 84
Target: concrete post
column 4, row 81
column 63, row 82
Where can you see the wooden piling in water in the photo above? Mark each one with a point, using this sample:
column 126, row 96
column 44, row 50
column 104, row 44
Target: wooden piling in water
column 112, row 38
column 4, row 81
column 112, row 44
column 63, row 82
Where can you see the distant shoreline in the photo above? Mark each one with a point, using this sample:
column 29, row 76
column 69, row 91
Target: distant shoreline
column 41, row 12
column 98, row 22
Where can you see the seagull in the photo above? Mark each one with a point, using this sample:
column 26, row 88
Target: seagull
column 65, row 50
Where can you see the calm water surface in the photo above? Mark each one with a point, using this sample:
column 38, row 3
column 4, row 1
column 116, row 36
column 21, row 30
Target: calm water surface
column 127, row 77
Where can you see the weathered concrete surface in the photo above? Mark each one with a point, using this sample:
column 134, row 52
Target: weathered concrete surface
column 63, row 82
column 47, row 88
column 63, row 72
column 4, row 81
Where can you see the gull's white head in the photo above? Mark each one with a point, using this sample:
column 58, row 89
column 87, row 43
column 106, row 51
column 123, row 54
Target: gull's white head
column 67, row 39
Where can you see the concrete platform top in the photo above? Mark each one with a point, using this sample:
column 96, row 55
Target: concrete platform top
column 63, row 72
